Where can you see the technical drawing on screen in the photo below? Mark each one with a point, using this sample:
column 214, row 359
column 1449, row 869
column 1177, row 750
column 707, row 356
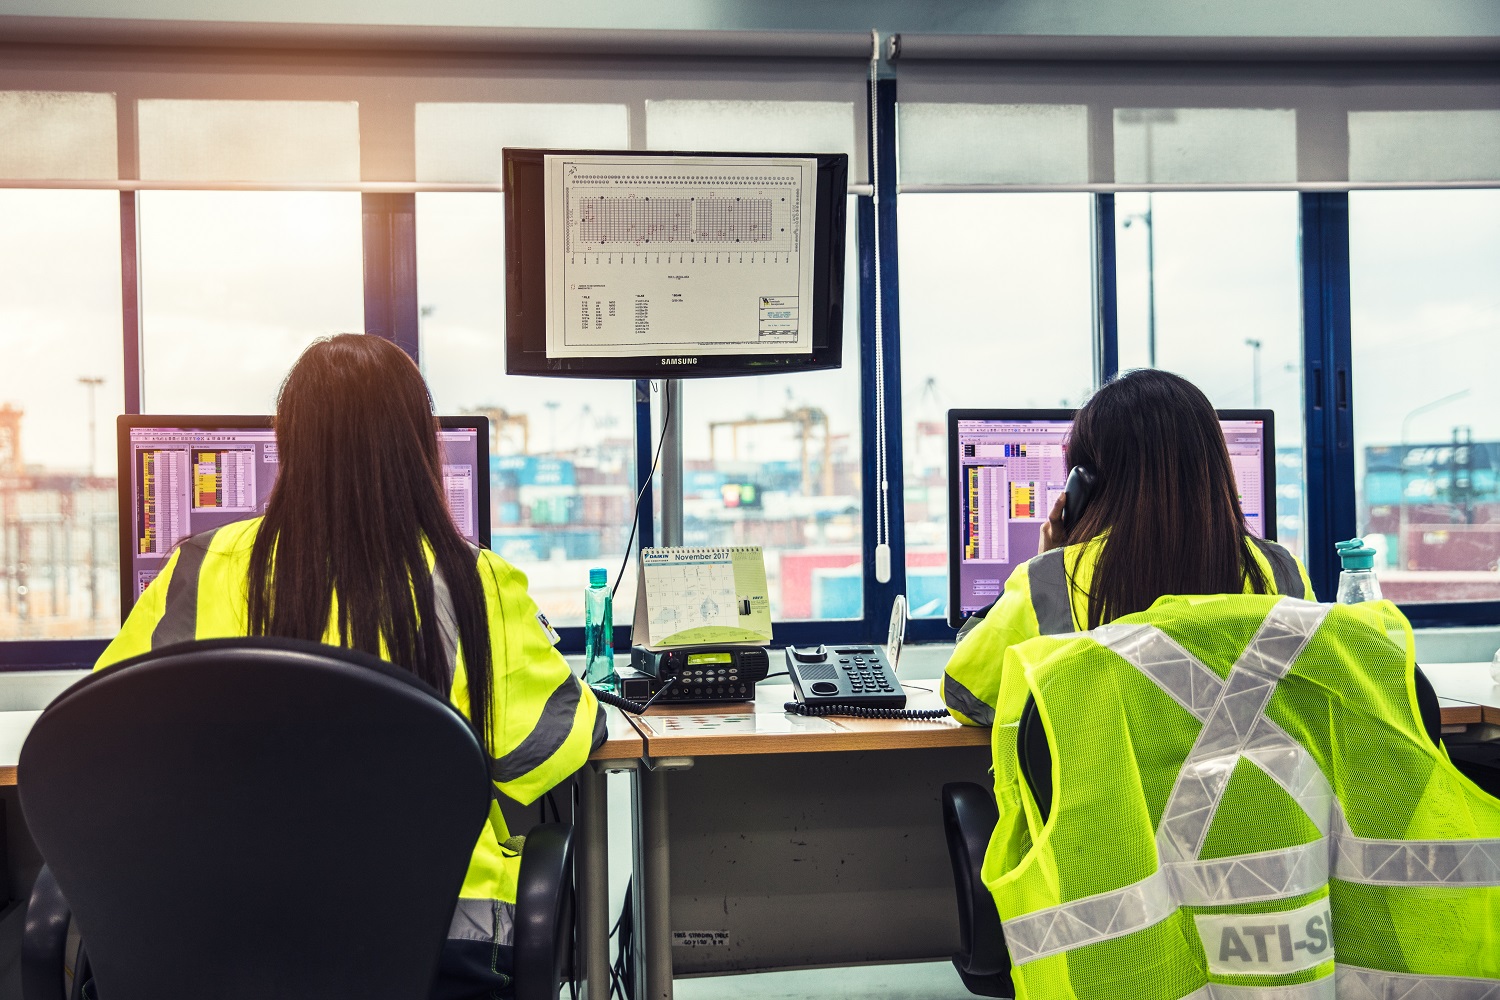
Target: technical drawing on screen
column 664, row 254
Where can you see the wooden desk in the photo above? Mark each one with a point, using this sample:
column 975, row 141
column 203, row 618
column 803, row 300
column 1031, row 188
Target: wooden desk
column 766, row 727
column 792, row 841
column 13, row 729
column 1468, row 683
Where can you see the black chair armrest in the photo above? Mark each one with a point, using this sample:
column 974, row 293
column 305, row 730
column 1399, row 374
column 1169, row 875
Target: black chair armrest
column 544, row 911
column 969, row 817
column 44, row 941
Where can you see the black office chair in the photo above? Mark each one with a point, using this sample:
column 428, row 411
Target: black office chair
column 969, row 818
column 258, row 818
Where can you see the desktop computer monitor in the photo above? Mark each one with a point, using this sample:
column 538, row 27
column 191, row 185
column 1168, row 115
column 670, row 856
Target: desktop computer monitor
column 646, row 264
column 182, row 475
column 1006, row 468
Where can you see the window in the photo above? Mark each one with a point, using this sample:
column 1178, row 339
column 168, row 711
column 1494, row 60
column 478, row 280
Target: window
column 774, row 461
column 996, row 311
column 1425, row 311
column 562, row 451
column 60, row 390
column 234, row 285
column 1209, row 286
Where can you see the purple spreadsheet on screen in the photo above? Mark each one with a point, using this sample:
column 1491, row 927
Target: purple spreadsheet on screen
column 187, row 480
column 1012, row 473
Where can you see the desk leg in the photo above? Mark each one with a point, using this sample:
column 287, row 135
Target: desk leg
column 592, row 874
column 653, row 895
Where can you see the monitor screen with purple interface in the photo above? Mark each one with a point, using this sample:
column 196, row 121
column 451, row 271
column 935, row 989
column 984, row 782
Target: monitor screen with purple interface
column 1006, row 468
column 180, row 476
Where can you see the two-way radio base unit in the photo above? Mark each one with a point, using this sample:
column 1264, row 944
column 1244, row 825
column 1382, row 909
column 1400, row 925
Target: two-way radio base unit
column 715, row 672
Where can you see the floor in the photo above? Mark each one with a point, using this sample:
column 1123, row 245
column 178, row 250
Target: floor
column 921, row 981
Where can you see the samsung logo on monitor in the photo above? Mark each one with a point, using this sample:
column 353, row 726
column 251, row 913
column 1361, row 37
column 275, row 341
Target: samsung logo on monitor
column 679, row 361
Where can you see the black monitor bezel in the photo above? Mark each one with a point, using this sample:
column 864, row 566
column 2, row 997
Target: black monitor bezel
column 830, row 226
column 1268, row 473
column 123, row 487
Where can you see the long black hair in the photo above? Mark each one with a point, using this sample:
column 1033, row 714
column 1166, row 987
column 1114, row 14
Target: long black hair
column 1165, row 493
column 358, row 492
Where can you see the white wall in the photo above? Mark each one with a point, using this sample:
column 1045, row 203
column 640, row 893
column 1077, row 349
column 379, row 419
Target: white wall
column 1093, row 17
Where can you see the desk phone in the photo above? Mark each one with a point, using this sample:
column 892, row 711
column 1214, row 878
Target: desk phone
column 844, row 675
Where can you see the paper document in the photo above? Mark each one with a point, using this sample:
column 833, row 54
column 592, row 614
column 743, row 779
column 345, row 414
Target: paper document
column 690, row 596
column 736, row 725
column 677, row 255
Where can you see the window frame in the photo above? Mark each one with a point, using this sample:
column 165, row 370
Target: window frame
column 391, row 310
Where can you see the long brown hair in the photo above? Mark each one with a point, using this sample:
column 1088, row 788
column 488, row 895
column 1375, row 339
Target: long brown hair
column 359, row 489
column 1166, row 495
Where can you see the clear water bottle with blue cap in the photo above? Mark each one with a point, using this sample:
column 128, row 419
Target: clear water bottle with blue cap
column 598, row 632
column 1357, row 581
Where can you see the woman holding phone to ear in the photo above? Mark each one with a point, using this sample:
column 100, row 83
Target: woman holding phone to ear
column 1151, row 508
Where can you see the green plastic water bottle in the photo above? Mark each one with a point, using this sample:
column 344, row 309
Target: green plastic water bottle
column 598, row 632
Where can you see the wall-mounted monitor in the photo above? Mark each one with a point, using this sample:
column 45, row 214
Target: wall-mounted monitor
column 635, row 264
column 1006, row 468
column 183, row 475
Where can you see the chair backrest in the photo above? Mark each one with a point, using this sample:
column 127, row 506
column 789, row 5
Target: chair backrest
column 256, row 818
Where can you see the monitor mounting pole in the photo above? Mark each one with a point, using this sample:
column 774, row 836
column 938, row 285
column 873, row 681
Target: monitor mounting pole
column 671, row 462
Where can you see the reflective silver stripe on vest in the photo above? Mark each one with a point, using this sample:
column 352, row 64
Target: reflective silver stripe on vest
column 1288, row 763
column 960, row 699
column 1250, row 878
column 491, row 921
column 447, row 617
column 1089, row 920
column 1050, row 600
column 1467, row 863
column 1244, row 878
column 1284, row 572
column 1204, row 776
column 179, row 618
column 1355, row 983
column 1318, row 989
column 447, row 621
column 1157, row 655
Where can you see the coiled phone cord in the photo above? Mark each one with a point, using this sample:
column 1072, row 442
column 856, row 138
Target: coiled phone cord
column 863, row 712
column 625, row 704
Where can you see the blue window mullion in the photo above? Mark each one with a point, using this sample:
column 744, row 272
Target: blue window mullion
column 1328, row 408
column 878, row 596
column 1106, row 295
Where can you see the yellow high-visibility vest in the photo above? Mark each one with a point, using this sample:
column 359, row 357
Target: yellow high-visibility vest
column 546, row 722
column 1049, row 595
column 1245, row 804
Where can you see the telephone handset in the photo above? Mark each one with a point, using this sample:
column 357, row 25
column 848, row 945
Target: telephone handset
column 859, row 676
column 848, row 680
column 1082, row 482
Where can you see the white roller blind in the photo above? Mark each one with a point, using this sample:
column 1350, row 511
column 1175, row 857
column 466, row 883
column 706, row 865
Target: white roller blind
column 273, row 108
column 753, row 126
column 1145, row 120
column 993, row 143
column 57, row 135
column 1205, row 145
column 1424, row 145
column 461, row 143
column 269, row 141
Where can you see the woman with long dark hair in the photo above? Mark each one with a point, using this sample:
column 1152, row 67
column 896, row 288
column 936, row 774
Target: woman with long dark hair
column 1163, row 517
column 357, row 549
